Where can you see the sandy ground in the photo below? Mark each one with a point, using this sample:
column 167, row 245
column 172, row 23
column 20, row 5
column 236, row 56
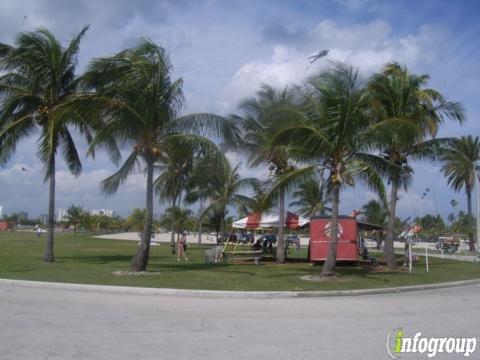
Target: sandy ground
column 210, row 239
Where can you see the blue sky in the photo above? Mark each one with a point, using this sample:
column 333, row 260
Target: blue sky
column 224, row 50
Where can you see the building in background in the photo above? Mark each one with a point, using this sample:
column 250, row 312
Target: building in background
column 103, row 212
column 22, row 216
column 1, row 212
column 61, row 215
column 43, row 219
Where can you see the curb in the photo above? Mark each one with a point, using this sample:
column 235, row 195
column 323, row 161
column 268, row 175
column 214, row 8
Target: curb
column 228, row 294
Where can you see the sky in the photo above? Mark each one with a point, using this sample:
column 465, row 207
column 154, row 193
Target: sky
column 224, row 51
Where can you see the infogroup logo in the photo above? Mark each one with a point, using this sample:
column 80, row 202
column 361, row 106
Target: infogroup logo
column 397, row 343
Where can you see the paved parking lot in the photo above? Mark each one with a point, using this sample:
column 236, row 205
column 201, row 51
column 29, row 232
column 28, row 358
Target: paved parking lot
column 65, row 324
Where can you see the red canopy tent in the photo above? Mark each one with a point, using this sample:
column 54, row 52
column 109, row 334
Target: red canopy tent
column 270, row 220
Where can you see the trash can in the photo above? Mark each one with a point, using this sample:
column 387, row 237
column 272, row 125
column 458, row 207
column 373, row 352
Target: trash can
column 210, row 256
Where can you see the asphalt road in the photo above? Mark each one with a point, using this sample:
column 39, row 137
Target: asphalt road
column 64, row 324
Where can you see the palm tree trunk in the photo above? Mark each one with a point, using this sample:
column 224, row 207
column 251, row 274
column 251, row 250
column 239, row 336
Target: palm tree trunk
column 378, row 235
column 222, row 227
column 140, row 260
column 280, row 241
column 200, row 224
column 49, row 254
column 172, row 236
column 471, row 241
column 388, row 249
column 329, row 265
column 200, row 233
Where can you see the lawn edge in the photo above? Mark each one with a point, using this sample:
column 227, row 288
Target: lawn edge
column 110, row 289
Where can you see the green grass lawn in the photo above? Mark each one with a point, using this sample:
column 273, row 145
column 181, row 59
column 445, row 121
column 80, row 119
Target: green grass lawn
column 87, row 260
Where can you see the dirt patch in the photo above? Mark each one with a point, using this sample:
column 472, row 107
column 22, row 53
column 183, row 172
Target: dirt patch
column 135, row 273
column 318, row 278
column 384, row 269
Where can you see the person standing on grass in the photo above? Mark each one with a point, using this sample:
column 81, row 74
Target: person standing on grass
column 38, row 230
column 181, row 245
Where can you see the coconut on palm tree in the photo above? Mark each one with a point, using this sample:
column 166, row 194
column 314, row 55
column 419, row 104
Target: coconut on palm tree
column 140, row 106
column 330, row 134
column 37, row 84
column 407, row 117
column 459, row 167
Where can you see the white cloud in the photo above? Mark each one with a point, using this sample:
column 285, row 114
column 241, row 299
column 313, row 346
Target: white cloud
column 245, row 171
column 327, row 34
column 286, row 66
column 367, row 46
column 222, row 54
column 27, row 191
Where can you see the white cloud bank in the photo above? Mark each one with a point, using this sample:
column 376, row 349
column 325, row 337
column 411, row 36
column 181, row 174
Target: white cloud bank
column 366, row 46
column 25, row 190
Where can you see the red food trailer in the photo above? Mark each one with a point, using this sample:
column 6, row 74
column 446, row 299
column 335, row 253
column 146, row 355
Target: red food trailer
column 349, row 244
column 5, row 225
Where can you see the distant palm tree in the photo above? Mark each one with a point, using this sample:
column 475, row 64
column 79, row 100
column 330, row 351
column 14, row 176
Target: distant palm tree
column 258, row 202
column 312, row 198
column 175, row 166
column 140, row 106
column 261, row 120
column 136, row 220
column 459, row 164
column 183, row 218
column 407, row 118
column 74, row 216
column 331, row 133
column 377, row 214
column 37, row 84
column 222, row 187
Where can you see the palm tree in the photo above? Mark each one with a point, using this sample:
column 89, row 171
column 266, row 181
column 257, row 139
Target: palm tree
column 459, row 167
column 136, row 220
column 38, row 82
column 329, row 133
column 183, row 217
column 376, row 213
column 259, row 202
column 74, row 216
column 140, row 105
column 312, row 198
column 408, row 117
column 222, row 187
column 261, row 120
column 176, row 165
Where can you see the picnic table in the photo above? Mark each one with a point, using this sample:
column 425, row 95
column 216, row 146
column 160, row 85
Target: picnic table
column 255, row 255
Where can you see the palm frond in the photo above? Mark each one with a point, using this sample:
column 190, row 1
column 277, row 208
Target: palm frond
column 69, row 152
column 111, row 184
